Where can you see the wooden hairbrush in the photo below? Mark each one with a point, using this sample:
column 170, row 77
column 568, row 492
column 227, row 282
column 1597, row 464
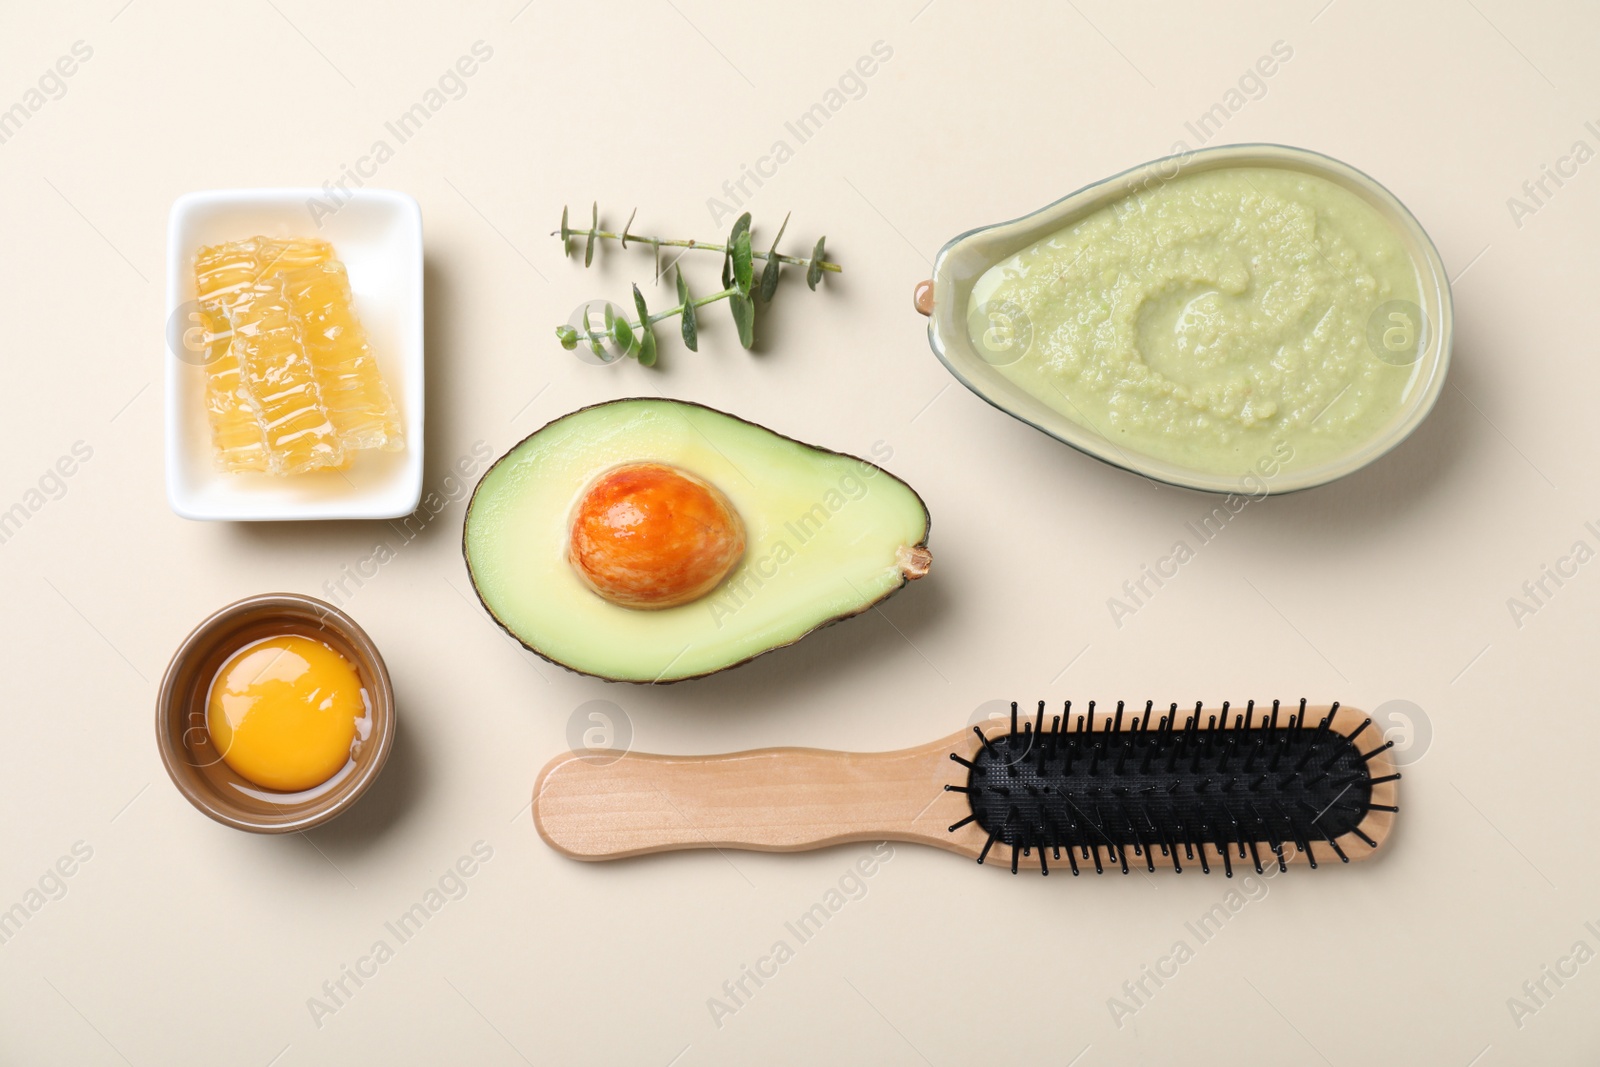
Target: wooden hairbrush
column 1187, row 787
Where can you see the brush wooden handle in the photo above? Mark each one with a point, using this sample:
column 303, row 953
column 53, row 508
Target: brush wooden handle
column 770, row 800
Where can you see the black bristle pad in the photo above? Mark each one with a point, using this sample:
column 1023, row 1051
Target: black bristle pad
column 1185, row 786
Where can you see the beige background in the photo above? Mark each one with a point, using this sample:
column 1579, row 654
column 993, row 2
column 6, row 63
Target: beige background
column 179, row 941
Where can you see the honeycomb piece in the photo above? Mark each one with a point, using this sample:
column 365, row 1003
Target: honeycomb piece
column 358, row 401
column 237, row 439
column 225, row 272
column 224, row 276
column 276, row 377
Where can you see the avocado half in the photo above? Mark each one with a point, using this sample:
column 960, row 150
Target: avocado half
column 827, row 536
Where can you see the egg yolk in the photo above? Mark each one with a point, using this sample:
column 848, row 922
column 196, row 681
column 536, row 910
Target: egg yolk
column 649, row 535
column 284, row 712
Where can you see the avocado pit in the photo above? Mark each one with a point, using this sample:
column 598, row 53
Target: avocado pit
column 652, row 535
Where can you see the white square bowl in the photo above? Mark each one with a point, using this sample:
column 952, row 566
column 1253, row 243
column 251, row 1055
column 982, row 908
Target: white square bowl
column 377, row 234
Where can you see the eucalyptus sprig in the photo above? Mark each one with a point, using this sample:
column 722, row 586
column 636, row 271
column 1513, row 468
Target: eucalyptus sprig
column 739, row 286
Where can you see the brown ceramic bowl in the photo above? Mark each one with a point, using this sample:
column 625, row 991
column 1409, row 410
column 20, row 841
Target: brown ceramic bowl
column 196, row 765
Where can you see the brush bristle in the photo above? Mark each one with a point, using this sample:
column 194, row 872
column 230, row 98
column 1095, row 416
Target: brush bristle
column 1169, row 786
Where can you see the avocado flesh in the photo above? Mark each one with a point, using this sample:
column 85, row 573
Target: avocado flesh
column 826, row 536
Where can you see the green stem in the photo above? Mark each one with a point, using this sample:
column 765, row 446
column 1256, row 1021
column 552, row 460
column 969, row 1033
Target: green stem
column 698, row 302
column 671, row 242
column 592, row 337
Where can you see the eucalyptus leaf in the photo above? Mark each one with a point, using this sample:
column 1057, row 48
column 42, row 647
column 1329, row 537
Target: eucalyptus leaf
column 647, row 334
column 691, row 324
column 623, row 333
column 769, row 273
column 691, row 327
column 647, row 346
column 740, row 225
column 769, row 279
column 625, row 227
column 594, row 227
column 814, row 268
column 611, row 316
column 743, row 272
column 566, row 231
column 638, row 302
column 568, row 336
column 744, row 317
